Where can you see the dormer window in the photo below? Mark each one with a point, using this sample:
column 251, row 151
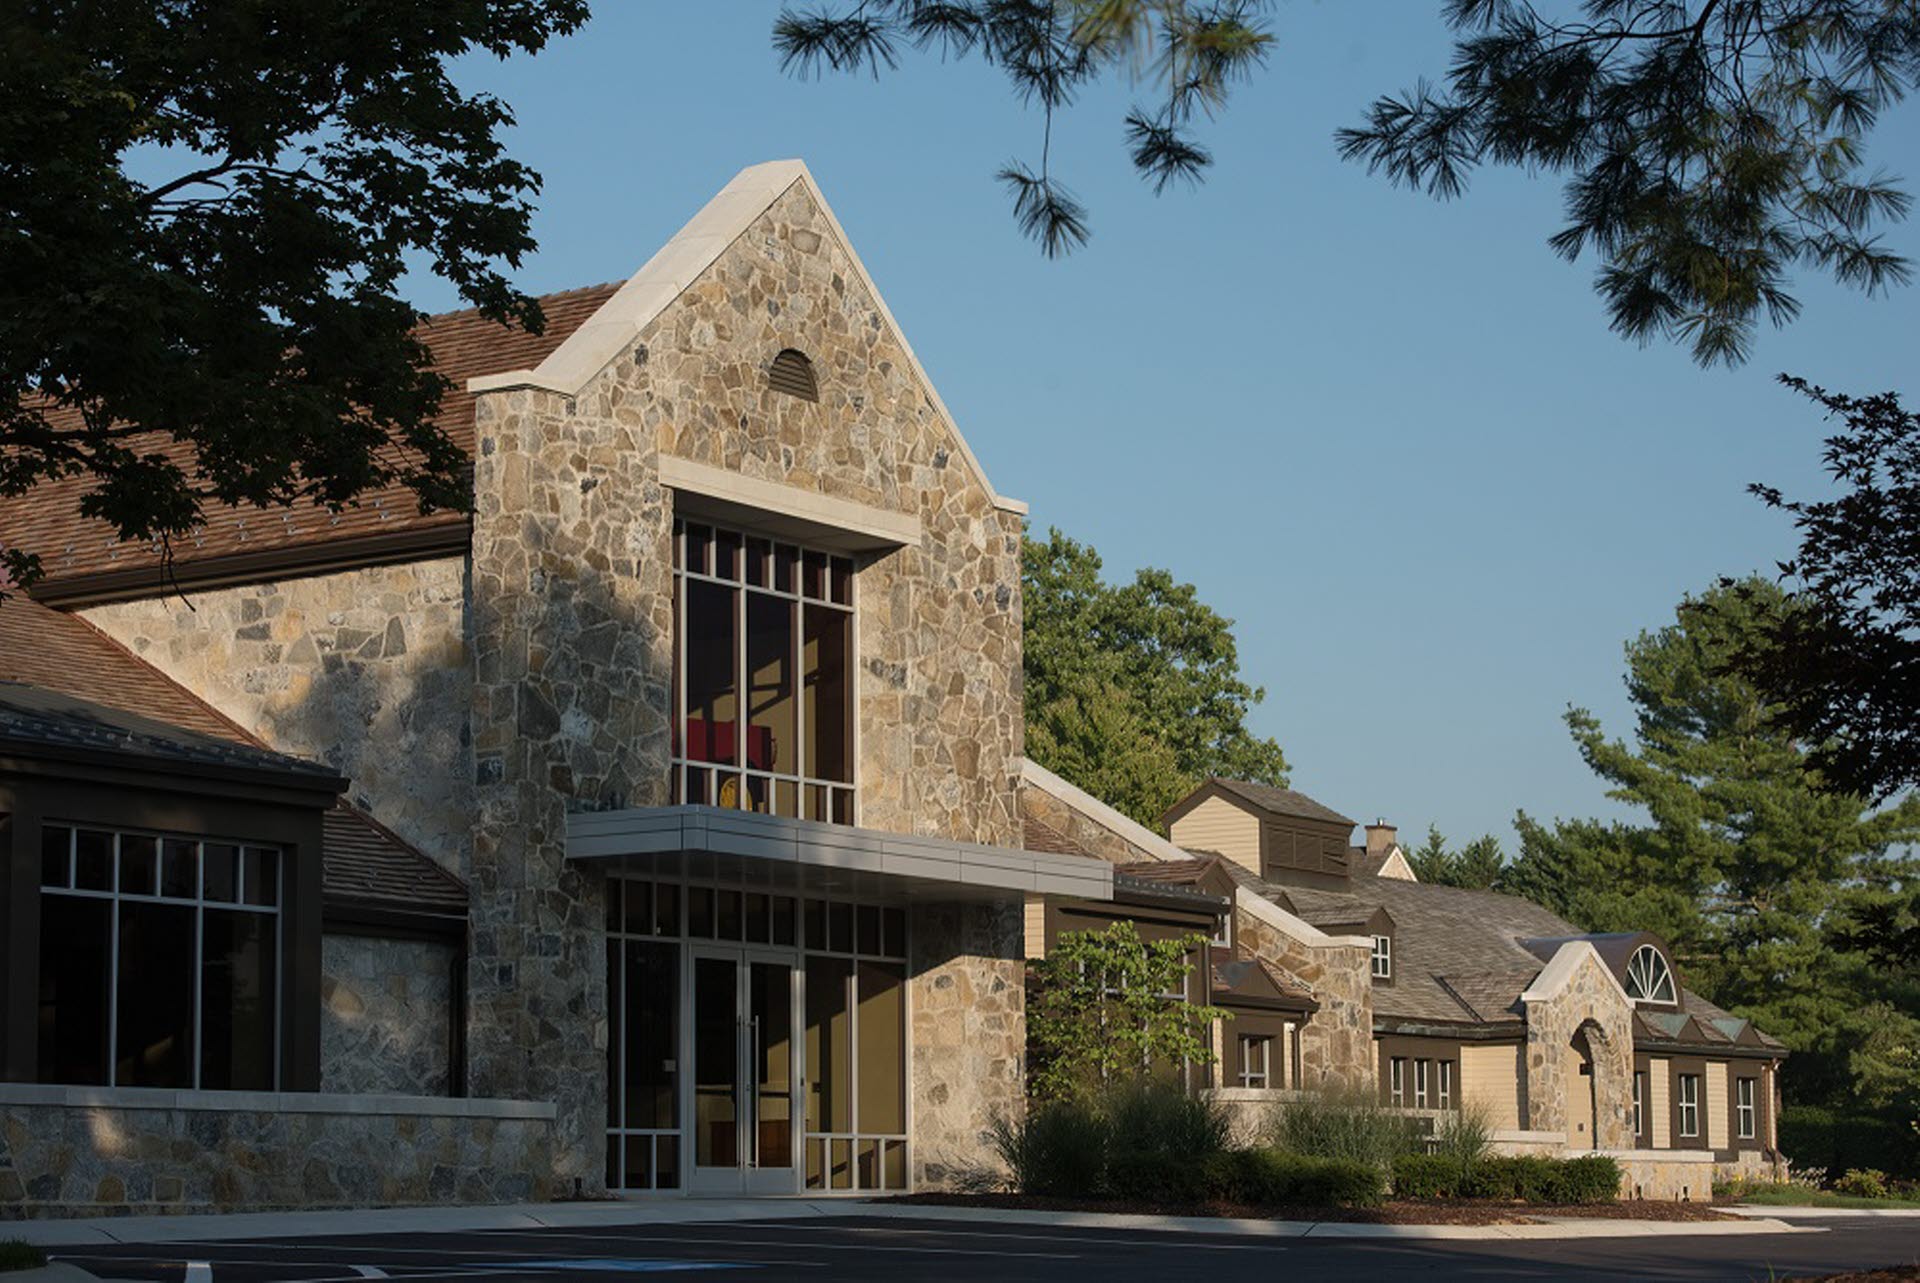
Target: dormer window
column 1649, row 978
column 792, row 373
column 1383, row 957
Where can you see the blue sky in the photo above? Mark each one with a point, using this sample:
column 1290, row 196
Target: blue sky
column 1391, row 438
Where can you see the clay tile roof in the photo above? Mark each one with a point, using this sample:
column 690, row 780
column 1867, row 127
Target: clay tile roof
column 1038, row 835
column 47, row 519
column 1281, row 801
column 63, row 654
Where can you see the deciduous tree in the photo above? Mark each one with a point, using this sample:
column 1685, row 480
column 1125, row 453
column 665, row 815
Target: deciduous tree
column 1135, row 688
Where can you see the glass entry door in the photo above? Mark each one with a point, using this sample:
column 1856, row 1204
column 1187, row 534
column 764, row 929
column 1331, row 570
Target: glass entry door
column 745, row 1080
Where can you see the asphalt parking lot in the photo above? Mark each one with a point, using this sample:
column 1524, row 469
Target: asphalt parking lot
column 853, row 1247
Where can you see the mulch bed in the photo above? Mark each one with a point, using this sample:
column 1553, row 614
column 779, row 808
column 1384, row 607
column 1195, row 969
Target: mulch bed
column 1408, row 1212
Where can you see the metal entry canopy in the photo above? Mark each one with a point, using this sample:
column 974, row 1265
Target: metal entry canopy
column 708, row 841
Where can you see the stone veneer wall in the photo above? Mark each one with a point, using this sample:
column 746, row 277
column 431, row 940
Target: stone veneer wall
column 366, row 670
column 68, row 1151
column 386, row 1015
column 1083, row 830
column 572, row 620
column 1590, row 999
column 968, row 1036
column 1336, row 1043
column 1687, row 1176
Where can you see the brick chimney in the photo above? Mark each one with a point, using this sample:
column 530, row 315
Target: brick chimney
column 1381, row 837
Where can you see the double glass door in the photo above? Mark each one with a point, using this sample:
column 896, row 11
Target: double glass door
column 745, row 1081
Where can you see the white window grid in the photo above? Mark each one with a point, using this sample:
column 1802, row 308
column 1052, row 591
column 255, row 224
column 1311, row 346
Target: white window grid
column 1420, row 1084
column 684, row 767
column 1255, row 1060
column 1688, row 1098
column 199, row 902
column 1383, row 957
column 1397, row 1080
column 1744, row 1114
column 1639, row 1103
column 1445, row 1071
column 619, row 934
column 1649, row 978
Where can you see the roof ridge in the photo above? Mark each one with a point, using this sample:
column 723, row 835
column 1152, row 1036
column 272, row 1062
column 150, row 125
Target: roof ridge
column 477, row 313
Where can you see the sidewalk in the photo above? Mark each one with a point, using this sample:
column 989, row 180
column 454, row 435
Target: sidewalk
column 687, row 1211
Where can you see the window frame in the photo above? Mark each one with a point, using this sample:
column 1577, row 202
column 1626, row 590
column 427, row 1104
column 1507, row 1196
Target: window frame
column 1381, row 960
column 1444, row 1096
column 1746, row 1108
column 803, row 780
column 1248, row 1074
column 1421, row 1069
column 200, row 904
column 1686, row 1106
column 1648, row 965
column 1639, row 1103
column 1397, row 1080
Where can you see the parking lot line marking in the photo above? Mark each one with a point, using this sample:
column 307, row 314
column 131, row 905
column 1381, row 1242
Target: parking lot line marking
column 370, row 1272
column 199, row 1272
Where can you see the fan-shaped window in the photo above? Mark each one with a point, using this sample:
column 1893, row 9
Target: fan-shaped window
column 1649, row 979
column 792, row 374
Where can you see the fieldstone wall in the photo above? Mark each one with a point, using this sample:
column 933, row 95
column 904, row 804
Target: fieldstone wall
column 1591, row 1001
column 968, row 1036
column 262, row 1153
column 1336, row 1043
column 1085, row 831
column 366, row 670
column 1688, row 1177
column 572, row 620
column 386, row 1015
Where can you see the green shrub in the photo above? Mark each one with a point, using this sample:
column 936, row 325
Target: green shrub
column 1058, row 1148
column 1816, row 1137
column 1863, row 1182
column 18, row 1255
column 1429, row 1176
column 1350, row 1126
column 1466, row 1135
column 1274, row 1178
column 1160, row 1141
column 1591, row 1178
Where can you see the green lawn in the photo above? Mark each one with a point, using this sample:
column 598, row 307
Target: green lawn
column 1817, row 1198
column 15, row 1255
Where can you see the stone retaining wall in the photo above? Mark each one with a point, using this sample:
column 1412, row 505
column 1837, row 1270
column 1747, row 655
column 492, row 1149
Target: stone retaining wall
column 76, row 1151
column 1687, row 1175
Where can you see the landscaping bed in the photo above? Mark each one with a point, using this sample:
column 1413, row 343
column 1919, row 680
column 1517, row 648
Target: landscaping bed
column 1390, row 1212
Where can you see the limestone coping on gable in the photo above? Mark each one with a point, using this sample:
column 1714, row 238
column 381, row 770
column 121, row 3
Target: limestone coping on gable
column 805, row 515
column 1559, row 972
column 676, row 265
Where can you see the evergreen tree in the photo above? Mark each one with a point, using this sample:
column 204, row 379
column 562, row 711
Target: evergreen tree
column 1759, row 876
column 1477, row 866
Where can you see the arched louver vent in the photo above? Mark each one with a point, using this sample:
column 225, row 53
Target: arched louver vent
column 792, row 374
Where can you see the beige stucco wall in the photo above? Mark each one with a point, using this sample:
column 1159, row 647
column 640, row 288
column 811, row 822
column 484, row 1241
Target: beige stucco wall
column 1660, row 1098
column 572, row 618
column 366, row 670
column 1490, row 1079
column 1218, row 825
column 1717, row 1105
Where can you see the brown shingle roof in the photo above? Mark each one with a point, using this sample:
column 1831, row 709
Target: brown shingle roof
column 62, row 653
column 47, row 519
column 1281, row 801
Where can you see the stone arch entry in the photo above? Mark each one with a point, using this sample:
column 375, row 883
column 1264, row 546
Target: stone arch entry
column 1609, row 1087
column 1583, row 1100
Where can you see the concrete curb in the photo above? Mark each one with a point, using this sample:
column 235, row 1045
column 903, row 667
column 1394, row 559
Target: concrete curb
column 54, row 1273
column 1566, row 1228
column 609, row 1215
column 1821, row 1212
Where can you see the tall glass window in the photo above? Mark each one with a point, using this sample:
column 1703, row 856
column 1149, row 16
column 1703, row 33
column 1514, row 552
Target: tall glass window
column 159, row 961
column 764, row 677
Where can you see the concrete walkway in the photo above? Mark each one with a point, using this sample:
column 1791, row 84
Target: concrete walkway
column 687, row 1211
